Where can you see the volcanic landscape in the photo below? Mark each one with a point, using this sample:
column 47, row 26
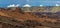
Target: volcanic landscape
column 16, row 17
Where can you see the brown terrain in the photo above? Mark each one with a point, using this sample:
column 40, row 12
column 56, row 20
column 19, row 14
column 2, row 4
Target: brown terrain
column 17, row 15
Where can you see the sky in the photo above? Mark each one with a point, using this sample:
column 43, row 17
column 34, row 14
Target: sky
column 5, row 3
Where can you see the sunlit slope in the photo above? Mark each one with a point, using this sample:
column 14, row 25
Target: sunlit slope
column 55, row 9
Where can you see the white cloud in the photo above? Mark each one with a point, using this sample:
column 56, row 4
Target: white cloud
column 13, row 5
column 26, row 5
column 57, row 5
column 41, row 5
column 17, row 5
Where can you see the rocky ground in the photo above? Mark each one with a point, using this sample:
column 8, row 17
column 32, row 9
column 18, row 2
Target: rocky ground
column 16, row 18
column 5, row 22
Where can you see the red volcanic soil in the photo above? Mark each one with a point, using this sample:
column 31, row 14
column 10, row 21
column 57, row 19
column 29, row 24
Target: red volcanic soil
column 21, row 16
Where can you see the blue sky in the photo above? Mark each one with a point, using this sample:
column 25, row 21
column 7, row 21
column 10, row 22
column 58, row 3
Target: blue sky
column 5, row 3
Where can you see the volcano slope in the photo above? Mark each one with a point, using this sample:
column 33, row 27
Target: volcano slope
column 18, row 18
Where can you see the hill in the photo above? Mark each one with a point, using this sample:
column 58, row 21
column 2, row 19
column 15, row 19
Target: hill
column 15, row 15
